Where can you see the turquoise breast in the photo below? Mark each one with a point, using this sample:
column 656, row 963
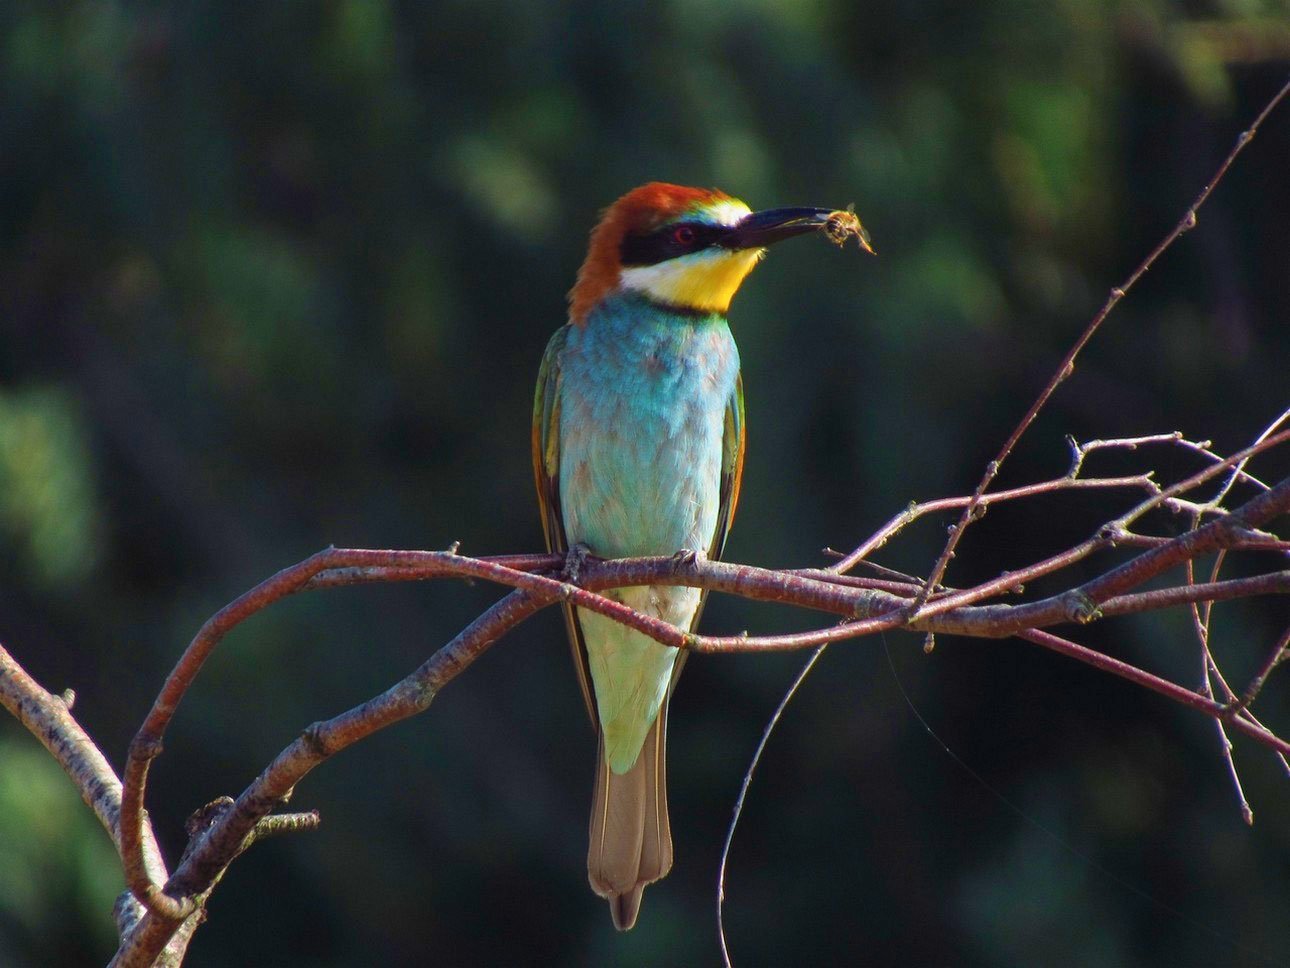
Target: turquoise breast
column 644, row 394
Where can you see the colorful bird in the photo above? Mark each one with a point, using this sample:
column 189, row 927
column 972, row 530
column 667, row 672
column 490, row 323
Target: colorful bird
column 638, row 447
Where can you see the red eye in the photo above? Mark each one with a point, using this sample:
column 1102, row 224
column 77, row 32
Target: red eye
column 683, row 235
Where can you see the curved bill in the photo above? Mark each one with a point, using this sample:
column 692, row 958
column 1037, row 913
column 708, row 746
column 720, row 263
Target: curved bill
column 762, row 228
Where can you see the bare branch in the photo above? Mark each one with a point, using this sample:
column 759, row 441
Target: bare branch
column 49, row 719
column 1067, row 365
column 917, row 510
column 867, row 605
column 234, row 826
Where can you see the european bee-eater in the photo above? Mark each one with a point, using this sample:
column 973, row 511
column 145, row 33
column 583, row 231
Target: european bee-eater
column 638, row 448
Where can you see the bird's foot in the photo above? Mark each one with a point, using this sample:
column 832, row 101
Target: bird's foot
column 574, row 561
column 689, row 557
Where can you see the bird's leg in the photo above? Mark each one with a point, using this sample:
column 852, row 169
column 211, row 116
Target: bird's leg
column 574, row 560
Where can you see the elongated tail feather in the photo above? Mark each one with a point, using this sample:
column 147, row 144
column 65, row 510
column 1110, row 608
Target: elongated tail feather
column 631, row 838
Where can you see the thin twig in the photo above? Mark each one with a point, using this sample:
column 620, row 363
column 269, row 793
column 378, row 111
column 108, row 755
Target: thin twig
column 1067, row 365
column 917, row 510
column 1201, row 625
column 1275, row 656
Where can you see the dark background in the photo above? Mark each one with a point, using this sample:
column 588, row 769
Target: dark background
column 279, row 276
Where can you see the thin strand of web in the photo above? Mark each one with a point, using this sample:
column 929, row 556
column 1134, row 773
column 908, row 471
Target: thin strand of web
column 743, row 792
column 1058, row 839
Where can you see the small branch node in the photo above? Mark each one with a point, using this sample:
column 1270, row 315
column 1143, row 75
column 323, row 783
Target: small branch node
column 863, row 606
column 69, row 698
column 314, row 741
column 204, row 816
column 1016, row 589
column 170, row 908
column 145, row 749
column 929, row 643
column 1078, row 607
column 1077, row 457
column 453, row 547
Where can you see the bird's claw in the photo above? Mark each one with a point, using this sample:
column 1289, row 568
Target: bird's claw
column 574, row 561
column 689, row 557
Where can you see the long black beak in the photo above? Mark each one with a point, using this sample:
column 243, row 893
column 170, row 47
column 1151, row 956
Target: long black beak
column 772, row 225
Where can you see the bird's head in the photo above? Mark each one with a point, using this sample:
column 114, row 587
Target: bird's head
column 689, row 248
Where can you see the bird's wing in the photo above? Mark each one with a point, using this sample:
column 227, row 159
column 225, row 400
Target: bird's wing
column 546, row 473
column 732, row 467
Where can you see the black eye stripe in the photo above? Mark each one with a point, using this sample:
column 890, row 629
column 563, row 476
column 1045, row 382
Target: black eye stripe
column 651, row 248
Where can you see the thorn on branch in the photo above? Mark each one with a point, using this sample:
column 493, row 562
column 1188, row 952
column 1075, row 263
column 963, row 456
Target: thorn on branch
column 929, row 643
column 69, row 698
column 454, row 547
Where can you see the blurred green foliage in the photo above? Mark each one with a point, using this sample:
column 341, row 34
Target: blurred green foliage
column 47, row 501
column 279, row 276
column 58, row 873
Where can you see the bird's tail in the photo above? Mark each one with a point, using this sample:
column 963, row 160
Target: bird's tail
column 631, row 840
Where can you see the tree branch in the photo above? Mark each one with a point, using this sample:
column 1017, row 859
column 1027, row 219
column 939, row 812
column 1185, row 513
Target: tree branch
column 1067, row 365
column 49, row 718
